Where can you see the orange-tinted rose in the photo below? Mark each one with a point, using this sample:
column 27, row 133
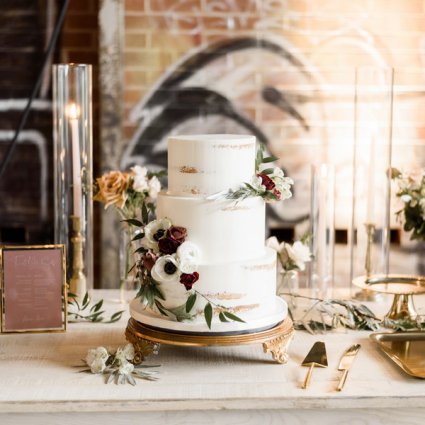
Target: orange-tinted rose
column 112, row 189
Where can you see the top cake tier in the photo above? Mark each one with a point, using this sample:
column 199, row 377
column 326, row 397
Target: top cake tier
column 202, row 165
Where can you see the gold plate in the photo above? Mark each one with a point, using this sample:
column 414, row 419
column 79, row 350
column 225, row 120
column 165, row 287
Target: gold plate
column 406, row 349
column 147, row 340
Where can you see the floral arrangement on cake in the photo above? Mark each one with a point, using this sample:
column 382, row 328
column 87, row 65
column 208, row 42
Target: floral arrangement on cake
column 268, row 183
column 411, row 191
column 129, row 192
column 168, row 257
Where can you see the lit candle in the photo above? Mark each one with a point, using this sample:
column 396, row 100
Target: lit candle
column 73, row 112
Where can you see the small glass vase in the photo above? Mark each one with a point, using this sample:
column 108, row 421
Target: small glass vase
column 289, row 283
column 127, row 261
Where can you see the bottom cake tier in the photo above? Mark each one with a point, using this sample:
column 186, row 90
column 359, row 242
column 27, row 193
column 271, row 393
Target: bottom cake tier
column 253, row 321
column 246, row 289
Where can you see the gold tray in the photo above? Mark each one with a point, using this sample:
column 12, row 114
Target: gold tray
column 406, row 349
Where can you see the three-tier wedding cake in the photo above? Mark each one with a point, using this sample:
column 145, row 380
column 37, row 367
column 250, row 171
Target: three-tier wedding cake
column 205, row 266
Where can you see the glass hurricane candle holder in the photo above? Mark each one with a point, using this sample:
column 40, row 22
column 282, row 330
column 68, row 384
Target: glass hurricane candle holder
column 370, row 229
column 72, row 132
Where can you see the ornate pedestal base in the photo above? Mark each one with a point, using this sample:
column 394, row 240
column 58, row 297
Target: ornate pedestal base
column 147, row 340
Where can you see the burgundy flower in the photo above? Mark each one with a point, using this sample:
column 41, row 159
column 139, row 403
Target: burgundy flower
column 149, row 260
column 168, row 246
column 189, row 279
column 177, row 233
column 277, row 194
column 266, row 181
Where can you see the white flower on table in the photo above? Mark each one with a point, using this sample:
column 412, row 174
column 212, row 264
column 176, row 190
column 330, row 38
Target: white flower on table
column 140, row 181
column 125, row 353
column 188, row 256
column 96, row 359
column 126, row 368
column 154, row 187
column 165, row 269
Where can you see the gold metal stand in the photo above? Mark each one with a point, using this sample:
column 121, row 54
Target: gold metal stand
column 78, row 281
column 147, row 340
column 403, row 287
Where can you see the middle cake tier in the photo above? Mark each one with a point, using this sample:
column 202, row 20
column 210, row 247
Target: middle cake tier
column 223, row 231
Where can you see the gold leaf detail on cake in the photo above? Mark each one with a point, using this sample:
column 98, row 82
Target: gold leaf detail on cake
column 237, row 309
column 188, row 170
column 225, row 296
column 266, row 266
column 227, row 146
column 195, row 191
column 234, row 208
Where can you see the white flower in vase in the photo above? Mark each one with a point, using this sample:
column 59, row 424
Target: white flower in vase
column 165, row 269
column 188, row 257
column 140, row 181
column 154, row 187
column 298, row 253
column 273, row 243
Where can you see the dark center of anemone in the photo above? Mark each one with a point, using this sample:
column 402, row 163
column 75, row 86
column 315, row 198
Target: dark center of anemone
column 159, row 234
column 170, row 268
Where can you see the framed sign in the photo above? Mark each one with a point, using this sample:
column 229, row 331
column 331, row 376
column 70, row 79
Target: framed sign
column 33, row 288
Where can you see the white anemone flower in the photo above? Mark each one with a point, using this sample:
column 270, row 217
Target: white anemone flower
column 155, row 226
column 188, row 256
column 165, row 269
column 257, row 184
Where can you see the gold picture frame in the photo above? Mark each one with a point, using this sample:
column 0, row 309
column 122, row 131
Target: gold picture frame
column 33, row 289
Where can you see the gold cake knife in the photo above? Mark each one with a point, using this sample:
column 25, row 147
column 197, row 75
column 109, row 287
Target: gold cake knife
column 346, row 362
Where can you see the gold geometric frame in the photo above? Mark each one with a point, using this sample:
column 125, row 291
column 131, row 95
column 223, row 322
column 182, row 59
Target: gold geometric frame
column 147, row 340
column 63, row 285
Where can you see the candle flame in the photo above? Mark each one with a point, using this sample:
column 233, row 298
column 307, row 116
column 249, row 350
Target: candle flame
column 72, row 111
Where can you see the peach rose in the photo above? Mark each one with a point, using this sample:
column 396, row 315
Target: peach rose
column 112, row 189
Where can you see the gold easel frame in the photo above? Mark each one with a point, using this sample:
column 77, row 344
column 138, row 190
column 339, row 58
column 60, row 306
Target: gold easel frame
column 61, row 247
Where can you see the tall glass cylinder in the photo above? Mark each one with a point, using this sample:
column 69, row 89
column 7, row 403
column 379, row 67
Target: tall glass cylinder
column 370, row 230
column 322, row 230
column 72, row 131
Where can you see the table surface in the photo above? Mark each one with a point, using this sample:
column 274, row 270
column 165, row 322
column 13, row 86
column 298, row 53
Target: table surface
column 37, row 374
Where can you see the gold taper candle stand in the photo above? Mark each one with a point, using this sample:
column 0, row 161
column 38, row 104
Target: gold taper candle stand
column 367, row 294
column 403, row 287
column 78, row 281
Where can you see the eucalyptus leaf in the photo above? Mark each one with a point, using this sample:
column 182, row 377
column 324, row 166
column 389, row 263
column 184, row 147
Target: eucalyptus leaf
column 268, row 159
column 131, row 380
column 233, row 317
column 140, row 235
column 110, row 378
column 145, row 213
column 222, row 317
column 268, row 171
column 133, row 221
column 208, row 313
column 190, row 302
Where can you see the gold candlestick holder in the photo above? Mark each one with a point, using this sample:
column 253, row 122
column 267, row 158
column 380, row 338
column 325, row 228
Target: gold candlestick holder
column 78, row 281
column 366, row 294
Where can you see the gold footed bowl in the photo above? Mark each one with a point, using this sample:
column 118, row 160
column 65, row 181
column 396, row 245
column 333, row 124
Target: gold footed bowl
column 147, row 340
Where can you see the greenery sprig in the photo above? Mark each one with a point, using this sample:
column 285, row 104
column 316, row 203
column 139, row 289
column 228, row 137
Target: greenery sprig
column 329, row 314
column 87, row 312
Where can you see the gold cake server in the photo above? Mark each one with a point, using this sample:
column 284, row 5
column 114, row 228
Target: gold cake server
column 316, row 357
column 346, row 362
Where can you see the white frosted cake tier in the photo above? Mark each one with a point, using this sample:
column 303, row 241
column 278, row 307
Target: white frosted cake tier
column 207, row 164
column 253, row 320
column 224, row 231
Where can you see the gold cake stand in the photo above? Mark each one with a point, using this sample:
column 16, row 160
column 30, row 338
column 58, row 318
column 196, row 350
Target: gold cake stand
column 403, row 287
column 147, row 340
